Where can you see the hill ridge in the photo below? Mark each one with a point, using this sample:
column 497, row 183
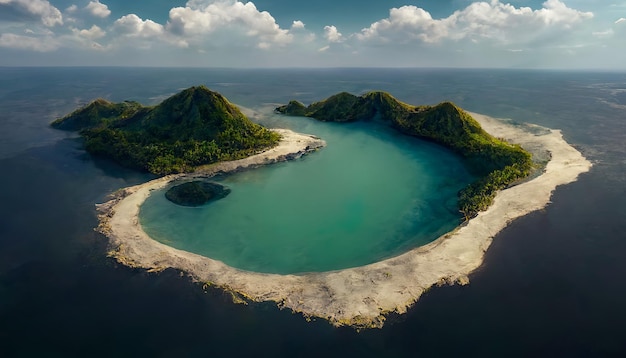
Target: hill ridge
column 496, row 163
column 193, row 127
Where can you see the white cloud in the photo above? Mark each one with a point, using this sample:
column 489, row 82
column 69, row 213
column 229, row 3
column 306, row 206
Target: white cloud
column 615, row 32
column 39, row 31
column 41, row 10
column 619, row 31
column 201, row 17
column 133, row 26
column 27, row 42
column 297, row 24
column 226, row 32
column 601, row 34
column 98, row 9
column 145, row 33
column 494, row 21
column 556, row 12
column 332, row 34
column 409, row 21
column 92, row 33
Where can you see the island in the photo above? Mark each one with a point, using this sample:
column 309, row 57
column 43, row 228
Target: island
column 359, row 297
column 196, row 193
column 192, row 128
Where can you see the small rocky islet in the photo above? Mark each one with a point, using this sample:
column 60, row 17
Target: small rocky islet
column 196, row 193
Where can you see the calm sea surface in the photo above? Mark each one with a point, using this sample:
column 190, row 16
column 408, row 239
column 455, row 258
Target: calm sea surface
column 551, row 285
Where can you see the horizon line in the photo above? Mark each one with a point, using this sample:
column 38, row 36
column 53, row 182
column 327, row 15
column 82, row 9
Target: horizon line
column 539, row 69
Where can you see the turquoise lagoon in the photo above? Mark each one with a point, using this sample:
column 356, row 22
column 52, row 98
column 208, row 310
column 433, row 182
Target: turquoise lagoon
column 370, row 194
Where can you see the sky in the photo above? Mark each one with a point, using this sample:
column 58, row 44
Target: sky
column 553, row 34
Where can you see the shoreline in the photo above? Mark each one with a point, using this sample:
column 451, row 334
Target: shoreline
column 360, row 296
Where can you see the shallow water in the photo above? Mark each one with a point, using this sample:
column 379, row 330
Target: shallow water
column 370, row 194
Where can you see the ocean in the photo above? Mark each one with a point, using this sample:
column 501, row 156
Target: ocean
column 551, row 283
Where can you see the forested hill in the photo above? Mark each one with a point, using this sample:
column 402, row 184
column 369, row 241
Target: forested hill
column 194, row 127
column 497, row 163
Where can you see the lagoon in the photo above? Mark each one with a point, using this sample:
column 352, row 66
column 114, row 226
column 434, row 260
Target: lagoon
column 370, row 194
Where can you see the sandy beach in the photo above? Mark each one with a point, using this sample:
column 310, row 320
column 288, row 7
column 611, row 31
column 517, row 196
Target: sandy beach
column 360, row 296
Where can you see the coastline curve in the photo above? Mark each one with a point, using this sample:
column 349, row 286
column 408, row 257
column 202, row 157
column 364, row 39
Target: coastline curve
column 360, row 296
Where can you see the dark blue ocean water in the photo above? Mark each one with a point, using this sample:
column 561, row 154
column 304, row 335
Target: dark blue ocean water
column 552, row 283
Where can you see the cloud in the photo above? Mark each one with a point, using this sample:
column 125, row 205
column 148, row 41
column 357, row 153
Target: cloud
column 136, row 32
column 201, row 17
column 98, row 9
column 203, row 23
column 618, row 26
column 230, row 32
column 39, row 10
column 601, row 34
column 297, row 24
column 410, row 21
column 619, row 31
column 133, row 26
column 20, row 42
column 93, row 33
column 332, row 34
column 479, row 21
column 556, row 12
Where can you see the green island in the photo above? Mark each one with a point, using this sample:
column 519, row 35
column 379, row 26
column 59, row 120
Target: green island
column 194, row 127
column 497, row 164
column 196, row 193
column 198, row 126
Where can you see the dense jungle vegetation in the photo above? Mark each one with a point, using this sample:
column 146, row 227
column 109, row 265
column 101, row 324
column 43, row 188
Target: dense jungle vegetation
column 194, row 127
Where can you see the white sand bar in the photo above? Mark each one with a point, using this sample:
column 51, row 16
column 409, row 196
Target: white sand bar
column 360, row 296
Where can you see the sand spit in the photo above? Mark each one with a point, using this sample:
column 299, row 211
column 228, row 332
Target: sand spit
column 361, row 296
